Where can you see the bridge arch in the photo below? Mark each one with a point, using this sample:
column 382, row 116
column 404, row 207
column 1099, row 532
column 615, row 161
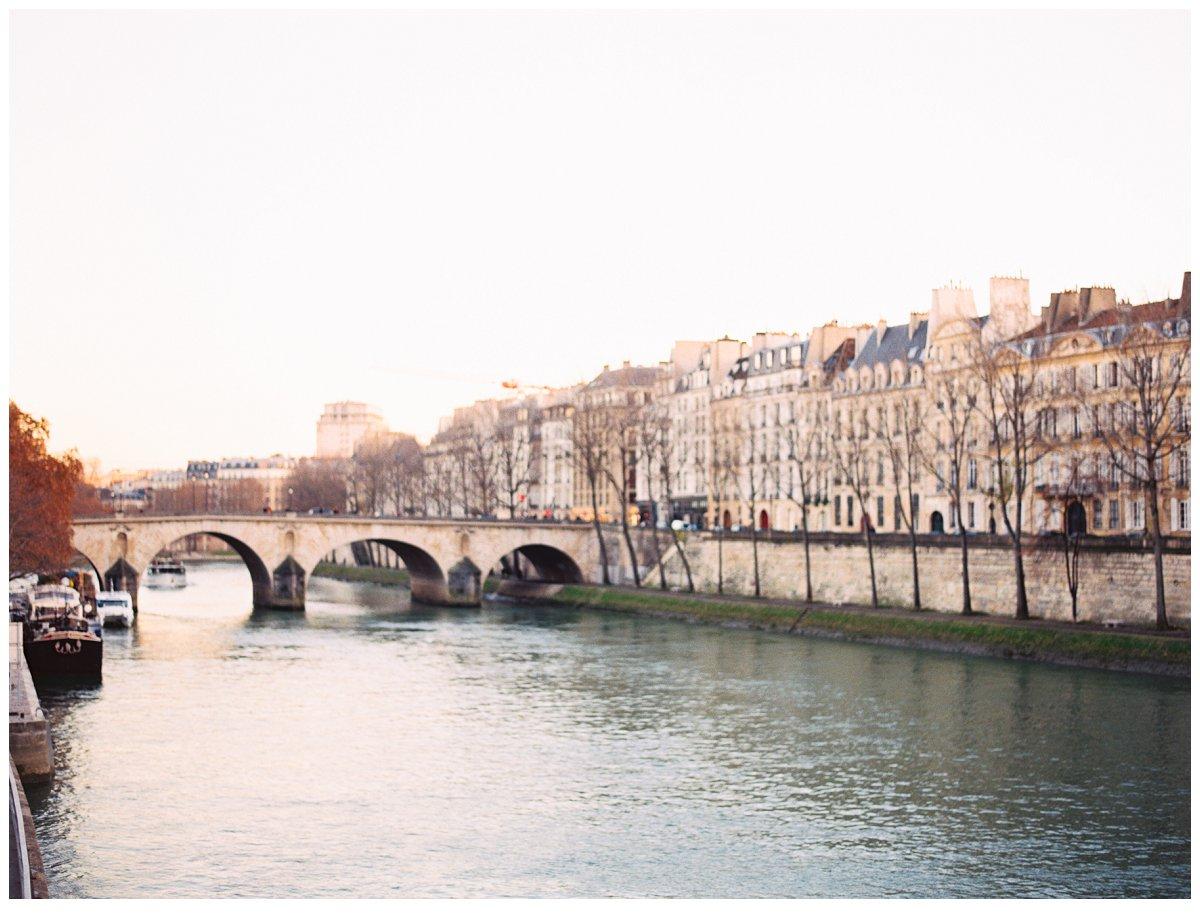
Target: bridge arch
column 549, row 566
column 427, row 580
column 263, row 579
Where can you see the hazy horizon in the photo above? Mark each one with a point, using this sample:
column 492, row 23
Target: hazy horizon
column 230, row 219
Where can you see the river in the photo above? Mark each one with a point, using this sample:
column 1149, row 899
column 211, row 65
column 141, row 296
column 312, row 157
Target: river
column 369, row 749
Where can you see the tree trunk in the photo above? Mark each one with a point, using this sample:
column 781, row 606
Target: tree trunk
column 754, row 550
column 807, row 557
column 966, row 571
column 599, row 537
column 870, row 558
column 720, row 561
column 687, row 568
column 1019, row 567
column 1160, row 593
column 662, row 571
column 637, row 577
column 916, row 577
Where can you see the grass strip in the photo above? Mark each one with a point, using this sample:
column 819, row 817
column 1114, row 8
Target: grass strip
column 1108, row 649
column 361, row 575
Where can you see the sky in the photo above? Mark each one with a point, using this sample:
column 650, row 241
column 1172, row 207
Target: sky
column 229, row 219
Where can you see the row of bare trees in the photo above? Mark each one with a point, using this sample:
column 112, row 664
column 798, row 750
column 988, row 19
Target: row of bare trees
column 993, row 411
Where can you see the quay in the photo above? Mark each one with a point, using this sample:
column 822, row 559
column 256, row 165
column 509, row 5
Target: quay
column 30, row 759
column 29, row 744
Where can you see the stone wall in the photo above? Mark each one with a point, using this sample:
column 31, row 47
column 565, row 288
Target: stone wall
column 1115, row 583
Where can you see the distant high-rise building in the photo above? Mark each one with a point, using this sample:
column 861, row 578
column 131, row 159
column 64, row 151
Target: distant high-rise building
column 343, row 424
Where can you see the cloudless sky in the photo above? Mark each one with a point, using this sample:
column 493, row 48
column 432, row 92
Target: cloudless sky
column 221, row 221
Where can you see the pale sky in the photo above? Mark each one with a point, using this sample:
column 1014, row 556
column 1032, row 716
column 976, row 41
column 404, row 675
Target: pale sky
column 221, row 221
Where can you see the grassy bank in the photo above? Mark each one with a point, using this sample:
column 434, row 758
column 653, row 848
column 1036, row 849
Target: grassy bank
column 1061, row 643
column 397, row 576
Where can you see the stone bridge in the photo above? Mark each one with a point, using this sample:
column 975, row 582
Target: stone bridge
column 447, row 560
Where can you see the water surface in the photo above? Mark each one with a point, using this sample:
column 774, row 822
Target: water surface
column 366, row 748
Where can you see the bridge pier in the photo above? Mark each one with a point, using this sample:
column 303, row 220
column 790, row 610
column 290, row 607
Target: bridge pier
column 122, row 576
column 285, row 590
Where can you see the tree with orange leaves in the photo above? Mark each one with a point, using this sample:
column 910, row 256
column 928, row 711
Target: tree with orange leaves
column 41, row 489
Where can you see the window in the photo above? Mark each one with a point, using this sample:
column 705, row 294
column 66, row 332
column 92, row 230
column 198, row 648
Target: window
column 879, row 512
column 849, row 511
column 970, row 515
column 1137, row 518
column 896, row 507
column 1114, row 514
column 1097, row 511
column 1183, row 515
column 837, row 510
column 972, row 473
column 1076, row 426
column 1182, row 468
column 1112, row 374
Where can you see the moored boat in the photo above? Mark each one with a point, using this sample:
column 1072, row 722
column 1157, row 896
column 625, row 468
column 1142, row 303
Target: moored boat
column 115, row 608
column 63, row 637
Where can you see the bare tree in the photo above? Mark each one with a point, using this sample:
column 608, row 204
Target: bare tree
column 945, row 450
column 481, row 449
column 1144, row 387
column 739, row 475
column 852, row 463
column 404, row 479
column 1016, row 423
column 723, row 475
column 649, row 426
column 1077, row 480
column 669, row 461
column 620, row 463
column 513, row 462
column 901, row 431
column 317, row 483
column 368, row 468
column 589, row 447
column 806, row 442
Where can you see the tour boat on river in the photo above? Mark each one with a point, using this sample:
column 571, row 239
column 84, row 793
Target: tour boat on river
column 63, row 636
column 166, row 572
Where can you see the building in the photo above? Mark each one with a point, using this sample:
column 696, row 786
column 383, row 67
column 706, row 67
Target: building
column 342, row 425
column 848, row 427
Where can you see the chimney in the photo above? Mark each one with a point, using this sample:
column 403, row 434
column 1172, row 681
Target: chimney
column 624, row 365
column 1008, row 306
column 1095, row 300
column 914, row 320
column 880, row 328
column 605, row 369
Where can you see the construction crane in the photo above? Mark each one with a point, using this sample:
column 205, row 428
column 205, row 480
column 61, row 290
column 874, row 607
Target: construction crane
column 511, row 385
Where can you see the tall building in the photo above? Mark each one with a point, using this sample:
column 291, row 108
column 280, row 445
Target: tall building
column 342, row 425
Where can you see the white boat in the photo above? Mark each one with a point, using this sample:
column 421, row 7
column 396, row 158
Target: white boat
column 165, row 573
column 115, row 608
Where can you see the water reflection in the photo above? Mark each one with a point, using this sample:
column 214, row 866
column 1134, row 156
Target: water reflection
column 367, row 748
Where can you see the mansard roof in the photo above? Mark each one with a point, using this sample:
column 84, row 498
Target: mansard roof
column 842, row 357
column 1157, row 311
column 625, row 376
column 897, row 345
